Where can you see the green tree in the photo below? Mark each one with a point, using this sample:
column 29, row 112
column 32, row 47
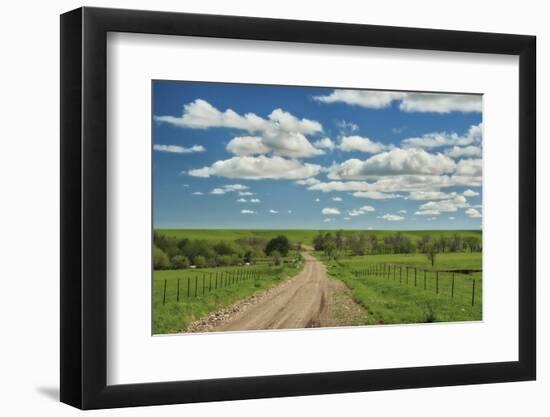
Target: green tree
column 276, row 257
column 180, row 262
column 431, row 250
column 160, row 259
column 280, row 244
column 200, row 261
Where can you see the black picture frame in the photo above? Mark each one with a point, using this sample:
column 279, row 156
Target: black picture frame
column 84, row 207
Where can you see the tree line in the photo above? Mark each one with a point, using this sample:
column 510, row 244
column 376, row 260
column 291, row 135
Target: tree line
column 364, row 243
column 179, row 253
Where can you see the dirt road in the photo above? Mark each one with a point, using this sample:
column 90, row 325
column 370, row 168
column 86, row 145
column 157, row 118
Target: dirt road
column 311, row 299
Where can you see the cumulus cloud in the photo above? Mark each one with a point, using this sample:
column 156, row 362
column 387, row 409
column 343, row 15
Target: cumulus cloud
column 346, row 126
column 395, row 162
column 470, row 193
column 179, row 149
column 273, row 211
column 375, row 195
column 255, row 200
column 317, row 200
column 308, row 181
column 336, row 198
column 430, row 195
column 327, row 220
column 439, row 139
column 257, row 168
column 281, row 134
column 361, row 144
column 469, row 167
column 245, row 193
column 198, row 193
column 466, row 151
column 330, row 211
column 247, row 146
column 437, row 207
column 402, row 212
column 360, row 211
column 248, row 212
column 472, row 212
column 392, row 217
column 408, row 102
column 325, row 143
column 218, row 191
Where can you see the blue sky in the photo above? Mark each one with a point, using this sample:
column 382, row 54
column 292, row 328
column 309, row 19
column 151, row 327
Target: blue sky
column 273, row 157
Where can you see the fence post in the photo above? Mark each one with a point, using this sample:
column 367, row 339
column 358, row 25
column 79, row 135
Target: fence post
column 437, row 282
column 453, row 286
column 196, row 284
column 210, row 282
column 394, row 272
column 164, row 294
column 400, row 274
column 203, row 279
column 415, row 277
column 407, row 275
column 178, row 292
column 473, row 291
column 188, row 287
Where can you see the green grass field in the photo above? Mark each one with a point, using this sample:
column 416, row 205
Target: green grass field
column 390, row 295
column 304, row 236
column 203, row 291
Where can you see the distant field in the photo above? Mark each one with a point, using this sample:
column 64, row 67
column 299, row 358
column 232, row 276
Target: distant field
column 304, row 236
column 393, row 298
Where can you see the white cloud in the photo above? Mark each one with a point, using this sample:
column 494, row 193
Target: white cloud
column 247, row 146
column 375, row 195
column 362, row 98
column 248, row 212
column 361, row 144
column 430, row 195
column 394, row 162
column 327, row 220
column 317, row 200
column 186, row 186
column 392, row 217
column 281, row 133
column 308, row 181
column 329, row 210
column 472, row 212
column 402, row 212
column 273, row 211
column 179, row 149
column 235, row 187
column 438, row 139
column 451, row 218
column 469, row 167
column 360, row 211
column 450, row 205
column 218, row 191
column 258, row 167
column 467, row 151
column 241, row 200
column 427, row 213
column 409, row 102
column 245, row 193
column 198, row 193
column 255, row 200
column 470, row 193
column 345, row 126
column 336, row 198
column 325, row 143
column 431, row 218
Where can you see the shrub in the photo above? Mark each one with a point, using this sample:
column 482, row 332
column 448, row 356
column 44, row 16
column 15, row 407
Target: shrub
column 279, row 244
column 200, row 261
column 180, row 262
column 160, row 259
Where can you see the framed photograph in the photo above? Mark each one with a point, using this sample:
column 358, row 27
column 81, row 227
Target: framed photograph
column 257, row 208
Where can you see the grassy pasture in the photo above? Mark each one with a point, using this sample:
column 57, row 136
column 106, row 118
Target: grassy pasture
column 391, row 297
column 172, row 316
column 304, row 236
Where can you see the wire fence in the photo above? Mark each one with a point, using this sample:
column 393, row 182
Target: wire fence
column 445, row 283
column 202, row 283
